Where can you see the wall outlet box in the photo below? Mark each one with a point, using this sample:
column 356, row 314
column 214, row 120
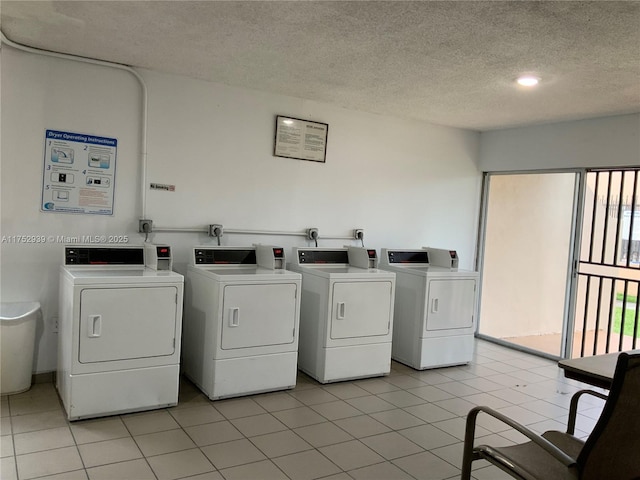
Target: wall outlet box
column 145, row 226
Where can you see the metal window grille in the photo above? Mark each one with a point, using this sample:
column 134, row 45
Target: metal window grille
column 608, row 271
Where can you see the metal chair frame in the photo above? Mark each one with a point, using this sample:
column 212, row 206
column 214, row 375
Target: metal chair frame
column 573, row 468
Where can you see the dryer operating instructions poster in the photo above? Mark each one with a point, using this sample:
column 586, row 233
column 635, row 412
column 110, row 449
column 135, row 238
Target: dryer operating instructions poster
column 79, row 173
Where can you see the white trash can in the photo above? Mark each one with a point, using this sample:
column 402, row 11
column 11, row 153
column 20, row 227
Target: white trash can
column 17, row 342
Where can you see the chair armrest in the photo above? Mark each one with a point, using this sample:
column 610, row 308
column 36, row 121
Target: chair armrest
column 534, row 437
column 573, row 407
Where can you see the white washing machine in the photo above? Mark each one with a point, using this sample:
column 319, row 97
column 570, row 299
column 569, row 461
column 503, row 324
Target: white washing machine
column 346, row 313
column 435, row 308
column 242, row 311
column 119, row 330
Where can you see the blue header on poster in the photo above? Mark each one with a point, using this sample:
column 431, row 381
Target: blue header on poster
column 82, row 138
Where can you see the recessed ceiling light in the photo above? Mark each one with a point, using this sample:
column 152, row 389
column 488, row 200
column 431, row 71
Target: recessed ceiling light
column 528, row 81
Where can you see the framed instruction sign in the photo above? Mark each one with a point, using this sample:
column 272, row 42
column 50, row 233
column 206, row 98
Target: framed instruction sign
column 79, row 173
column 300, row 139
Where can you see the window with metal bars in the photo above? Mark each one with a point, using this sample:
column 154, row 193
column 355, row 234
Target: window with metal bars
column 608, row 270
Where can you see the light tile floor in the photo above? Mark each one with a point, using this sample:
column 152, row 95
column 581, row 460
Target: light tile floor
column 408, row 425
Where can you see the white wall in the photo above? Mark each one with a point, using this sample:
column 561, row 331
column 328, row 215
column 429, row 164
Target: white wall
column 406, row 183
column 600, row 142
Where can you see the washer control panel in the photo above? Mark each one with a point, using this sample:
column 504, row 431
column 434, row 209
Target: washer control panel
column 312, row 256
column 407, row 256
column 224, row 256
column 100, row 255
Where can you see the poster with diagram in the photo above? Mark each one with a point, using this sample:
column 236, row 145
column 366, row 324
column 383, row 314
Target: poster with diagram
column 79, row 173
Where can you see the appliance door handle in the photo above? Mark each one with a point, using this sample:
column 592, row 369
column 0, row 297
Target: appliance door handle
column 94, row 326
column 340, row 310
column 234, row 317
column 434, row 305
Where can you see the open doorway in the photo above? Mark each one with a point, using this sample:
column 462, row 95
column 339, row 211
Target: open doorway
column 560, row 261
column 526, row 258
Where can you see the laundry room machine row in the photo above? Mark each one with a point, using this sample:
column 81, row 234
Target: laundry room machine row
column 346, row 316
column 119, row 330
column 435, row 307
column 240, row 329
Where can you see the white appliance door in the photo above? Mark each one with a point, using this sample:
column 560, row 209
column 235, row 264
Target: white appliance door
column 258, row 315
column 127, row 323
column 450, row 304
column 360, row 309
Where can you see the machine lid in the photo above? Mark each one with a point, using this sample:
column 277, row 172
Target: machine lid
column 344, row 272
column 113, row 275
column 429, row 271
column 243, row 273
column 103, row 256
column 224, row 256
column 332, row 270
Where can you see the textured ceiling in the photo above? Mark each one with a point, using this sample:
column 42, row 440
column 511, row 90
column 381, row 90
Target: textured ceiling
column 449, row 63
